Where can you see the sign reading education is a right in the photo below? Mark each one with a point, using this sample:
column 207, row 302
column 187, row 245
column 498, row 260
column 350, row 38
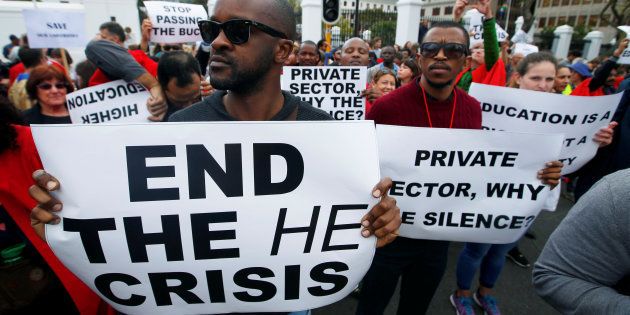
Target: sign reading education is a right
column 577, row 117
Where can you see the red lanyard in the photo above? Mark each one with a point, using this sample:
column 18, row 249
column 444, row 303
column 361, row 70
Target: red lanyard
column 426, row 106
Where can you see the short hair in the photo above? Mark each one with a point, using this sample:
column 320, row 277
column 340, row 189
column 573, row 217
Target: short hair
column 43, row 73
column 576, row 53
column 383, row 72
column 451, row 24
column 535, row 58
column 30, row 57
column 179, row 65
column 85, row 70
column 115, row 29
column 320, row 43
column 56, row 53
column 413, row 65
column 13, row 37
column 282, row 12
column 308, row 42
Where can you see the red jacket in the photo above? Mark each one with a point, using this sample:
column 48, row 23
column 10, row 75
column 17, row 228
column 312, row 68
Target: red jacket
column 99, row 77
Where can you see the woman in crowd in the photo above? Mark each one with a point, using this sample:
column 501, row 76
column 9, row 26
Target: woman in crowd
column 48, row 86
column 383, row 82
column 408, row 70
column 536, row 72
column 563, row 81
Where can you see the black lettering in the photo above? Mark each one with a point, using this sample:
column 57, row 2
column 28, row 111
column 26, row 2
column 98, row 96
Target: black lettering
column 200, row 162
column 262, row 168
column 88, row 230
column 333, row 227
column 202, row 235
column 162, row 291
column 138, row 173
column 137, row 240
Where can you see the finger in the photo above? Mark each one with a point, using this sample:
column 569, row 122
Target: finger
column 157, row 118
column 386, row 240
column 40, row 215
column 390, row 227
column 382, row 187
column 391, row 212
column 45, row 180
column 44, row 199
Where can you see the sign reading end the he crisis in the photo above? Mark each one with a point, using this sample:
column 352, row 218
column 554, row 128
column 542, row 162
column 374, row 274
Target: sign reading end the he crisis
column 466, row 185
column 257, row 217
column 336, row 90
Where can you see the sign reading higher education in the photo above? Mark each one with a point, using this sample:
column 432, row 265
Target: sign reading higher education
column 112, row 102
column 336, row 90
column 55, row 28
column 258, row 217
column 577, row 117
column 465, row 185
column 175, row 22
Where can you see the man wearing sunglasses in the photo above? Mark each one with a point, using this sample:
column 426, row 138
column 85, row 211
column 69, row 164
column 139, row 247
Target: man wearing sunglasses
column 430, row 101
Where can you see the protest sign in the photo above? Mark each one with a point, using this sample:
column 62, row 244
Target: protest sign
column 475, row 28
column 113, row 102
column 577, row 117
column 55, row 28
column 336, row 90
column 525, row 49
column 175, row 22
column 465, row 185
column 240, row 217
column 624, row 59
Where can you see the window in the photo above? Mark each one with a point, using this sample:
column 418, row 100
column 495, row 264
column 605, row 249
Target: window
column 575, row 2
column 562, row 20
column 581, row 20
column 597, row 1
column 592, row 20
column 555, row 3
column 448, row 10
column 566, row 2
column 345, row 3
column 552, row 21
column 542, row 23
column 604, row 22
column 546, row 3
column 571, row 21
column 422, row 12
column 436, row 11
column 586, row 2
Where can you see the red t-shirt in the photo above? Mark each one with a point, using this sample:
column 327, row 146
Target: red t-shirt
column 99, row 77
column 405, row 107
column 16, row 167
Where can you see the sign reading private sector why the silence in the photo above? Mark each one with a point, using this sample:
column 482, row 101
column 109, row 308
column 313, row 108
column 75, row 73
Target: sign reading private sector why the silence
column 112, row 102
column 465, row 185
column 175, row 22
column 577, row 117
column 258, row 217
column 336, row 90
column 55, row 28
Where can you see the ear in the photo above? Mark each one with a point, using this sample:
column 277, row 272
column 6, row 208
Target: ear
column 517, row 77
column 283, row 50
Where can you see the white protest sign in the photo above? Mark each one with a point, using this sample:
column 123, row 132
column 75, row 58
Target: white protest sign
column 55, row 28
column 113, row 102
column 175, row 22
column 465, row 185
column 525, row 49
column 475, row 28
column 624, row 59
column 577, row 117
column 240, row 217
column 336, row 90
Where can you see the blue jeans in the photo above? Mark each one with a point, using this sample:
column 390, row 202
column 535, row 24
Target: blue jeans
column 491, row 258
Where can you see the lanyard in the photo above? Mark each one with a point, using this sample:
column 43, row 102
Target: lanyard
column 426, row 106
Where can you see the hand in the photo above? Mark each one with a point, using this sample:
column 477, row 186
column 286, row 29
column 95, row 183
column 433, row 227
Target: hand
column 47, row 205
column 156, row 104
column 383, row 220
column 483, row 6
column 605, row 135
column 371, row 94
column 458, row 11
column 206, row 88
column 550, row 175
column 146, row 28
column 623, row 45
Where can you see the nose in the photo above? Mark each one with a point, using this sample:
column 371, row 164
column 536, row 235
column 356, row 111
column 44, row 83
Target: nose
column 220, row 42
column 440, row 55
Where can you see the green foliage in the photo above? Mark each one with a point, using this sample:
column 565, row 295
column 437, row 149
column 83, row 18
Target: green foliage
column 386, row 30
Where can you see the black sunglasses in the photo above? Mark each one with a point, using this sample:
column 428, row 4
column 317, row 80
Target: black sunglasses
column 451, row 50
column 48, row 86
column 237, row 31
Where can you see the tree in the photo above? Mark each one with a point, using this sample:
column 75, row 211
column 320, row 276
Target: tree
column 620, row 13
column 386, row 30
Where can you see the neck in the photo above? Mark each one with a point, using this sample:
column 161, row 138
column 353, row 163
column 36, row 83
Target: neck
column 388, row 65
column 260, row 103
column 474, row 65
column 54, row 110
column 440, row 94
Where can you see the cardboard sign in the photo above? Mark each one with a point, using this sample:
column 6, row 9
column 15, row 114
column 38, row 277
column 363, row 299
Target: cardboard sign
column 577, row 117
column 336, row 90
column 55, row 28
column 175, row 22
column 465, row 185
column 201, row 218
column 525, row 49
column 113, row 102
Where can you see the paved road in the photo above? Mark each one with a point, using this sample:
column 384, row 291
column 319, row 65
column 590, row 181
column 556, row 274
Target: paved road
column 514, row 290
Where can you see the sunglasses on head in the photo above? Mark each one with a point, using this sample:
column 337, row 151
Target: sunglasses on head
column 48, row 86
column 451, row 50
column 237, row 31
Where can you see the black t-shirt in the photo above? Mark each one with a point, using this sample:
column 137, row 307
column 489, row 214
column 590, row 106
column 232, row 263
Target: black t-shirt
column 34, row 115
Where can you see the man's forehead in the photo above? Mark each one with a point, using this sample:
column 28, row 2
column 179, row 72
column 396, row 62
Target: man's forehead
column 355, row 43
column 445, row 35
column 225, row 10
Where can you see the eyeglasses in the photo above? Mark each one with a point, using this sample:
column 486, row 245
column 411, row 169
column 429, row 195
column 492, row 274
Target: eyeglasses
column 48, row 86
column 237, row 31
column 451, row 50
column 171, row 47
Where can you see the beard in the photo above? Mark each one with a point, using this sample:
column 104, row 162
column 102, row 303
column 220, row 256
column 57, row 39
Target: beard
column 245, row 80
column 437, row 85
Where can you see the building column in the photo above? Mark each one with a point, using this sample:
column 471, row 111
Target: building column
column 562, row 42
column 596, row 38
column 408, row 20
column 312, row 20
column 211, row 7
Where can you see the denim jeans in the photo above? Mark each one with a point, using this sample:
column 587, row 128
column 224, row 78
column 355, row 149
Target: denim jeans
column 490, row 257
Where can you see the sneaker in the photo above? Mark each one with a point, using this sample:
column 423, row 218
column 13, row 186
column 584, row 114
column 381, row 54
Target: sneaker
column 463, row 305
column 488, row 303
column 518, row 258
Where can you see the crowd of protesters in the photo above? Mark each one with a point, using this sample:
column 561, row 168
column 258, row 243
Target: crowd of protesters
column 414, row 85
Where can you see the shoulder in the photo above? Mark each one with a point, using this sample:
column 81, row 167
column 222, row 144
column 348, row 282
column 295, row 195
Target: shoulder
column 467, row 100
column 202, row 111
column 306, row 111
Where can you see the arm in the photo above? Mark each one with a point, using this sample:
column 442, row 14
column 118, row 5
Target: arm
column 146, row 35
column 588, row 253
column 113, row 60
column 601, row 74
column 490, row 42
